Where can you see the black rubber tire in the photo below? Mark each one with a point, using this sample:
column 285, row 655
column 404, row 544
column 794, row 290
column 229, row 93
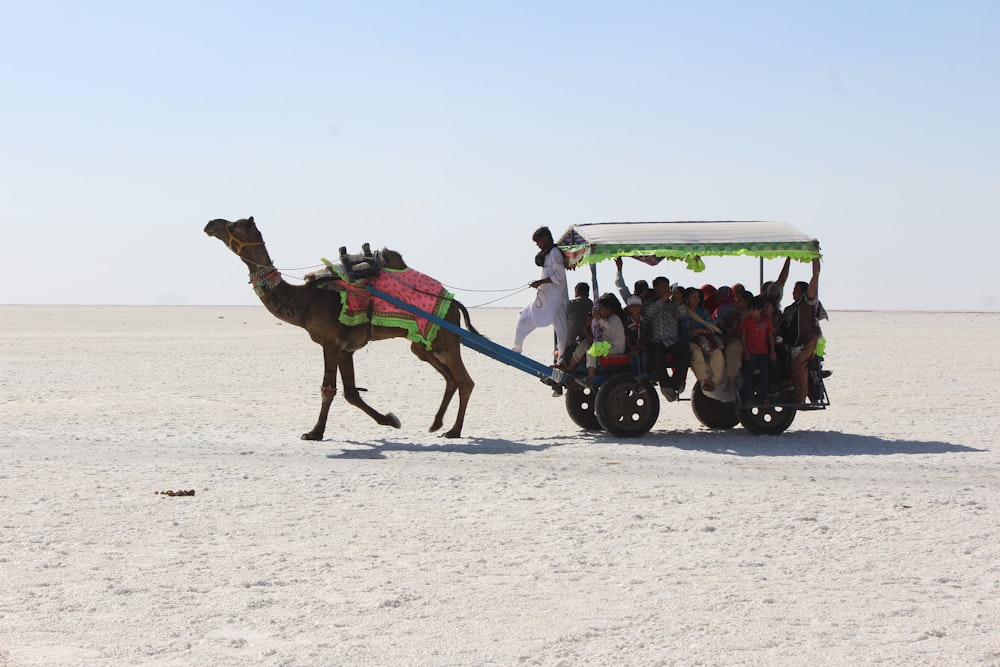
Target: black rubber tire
column 766, row 419
column 712, row 413
column 624, row 412
column 580, row 406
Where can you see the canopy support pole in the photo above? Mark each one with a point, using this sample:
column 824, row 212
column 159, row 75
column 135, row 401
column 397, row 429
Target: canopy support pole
column 593, row 284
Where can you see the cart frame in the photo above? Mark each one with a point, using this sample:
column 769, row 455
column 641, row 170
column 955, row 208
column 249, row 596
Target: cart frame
column 616, row 402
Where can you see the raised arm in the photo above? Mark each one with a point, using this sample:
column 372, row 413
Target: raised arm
column 813, row 289
column 783, row 276
column 620, row 280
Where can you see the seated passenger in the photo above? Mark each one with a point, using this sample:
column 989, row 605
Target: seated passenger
column 665, row 314
column 758, row 352
column 677, row 294
column 727, row 301
column 640, row 289
column 709, row 299
column 770, row 312
column 729, row 320
column 612, row 336
column 577, row 319
column 775, row 291
column 808, row 313
column 637, row 335
column 705, row 343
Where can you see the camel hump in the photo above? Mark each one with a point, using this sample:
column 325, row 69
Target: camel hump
column 393, row 259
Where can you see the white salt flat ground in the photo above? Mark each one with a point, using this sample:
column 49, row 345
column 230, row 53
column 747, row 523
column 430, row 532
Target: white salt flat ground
column 867, row 534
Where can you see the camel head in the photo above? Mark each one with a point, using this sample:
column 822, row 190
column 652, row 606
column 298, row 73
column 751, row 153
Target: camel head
column 243, row 238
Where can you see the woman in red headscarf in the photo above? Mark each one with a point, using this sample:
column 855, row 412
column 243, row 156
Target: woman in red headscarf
column 709, row 298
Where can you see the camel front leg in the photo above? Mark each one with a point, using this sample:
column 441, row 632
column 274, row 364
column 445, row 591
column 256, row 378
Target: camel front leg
column 331, row 357
column 353, row 395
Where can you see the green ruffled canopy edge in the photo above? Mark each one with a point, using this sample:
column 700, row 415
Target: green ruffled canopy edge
column 691, row 255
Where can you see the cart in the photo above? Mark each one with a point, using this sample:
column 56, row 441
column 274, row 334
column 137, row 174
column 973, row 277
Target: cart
column 616, row 402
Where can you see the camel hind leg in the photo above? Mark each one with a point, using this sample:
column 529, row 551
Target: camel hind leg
column 450, row 385
column 446, row 358
column 353, row 396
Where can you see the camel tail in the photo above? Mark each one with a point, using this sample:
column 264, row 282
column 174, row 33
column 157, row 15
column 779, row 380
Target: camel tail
column 465, row 314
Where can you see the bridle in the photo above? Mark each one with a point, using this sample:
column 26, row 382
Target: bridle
column 237, row 245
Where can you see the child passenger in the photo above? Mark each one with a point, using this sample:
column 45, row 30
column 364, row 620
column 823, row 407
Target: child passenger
column 758, row 351
column 638, row 331
column 612, row 329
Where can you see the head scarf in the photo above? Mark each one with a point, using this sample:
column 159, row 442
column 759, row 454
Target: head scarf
column 709, row 298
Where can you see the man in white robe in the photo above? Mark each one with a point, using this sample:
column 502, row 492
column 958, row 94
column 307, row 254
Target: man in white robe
column 549, row 306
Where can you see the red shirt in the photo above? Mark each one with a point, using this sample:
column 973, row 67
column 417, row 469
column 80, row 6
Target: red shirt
column 756, row 335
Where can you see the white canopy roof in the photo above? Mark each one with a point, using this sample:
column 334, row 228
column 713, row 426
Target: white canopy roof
column 685, row 240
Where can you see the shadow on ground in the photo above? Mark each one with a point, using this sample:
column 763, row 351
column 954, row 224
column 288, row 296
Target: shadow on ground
column 378, row 448
column 731, row 443
column 799, row 443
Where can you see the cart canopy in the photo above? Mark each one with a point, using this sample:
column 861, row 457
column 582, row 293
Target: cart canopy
column 687, row 241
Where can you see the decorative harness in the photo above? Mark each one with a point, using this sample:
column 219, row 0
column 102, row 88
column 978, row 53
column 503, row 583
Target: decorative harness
column 264, row 280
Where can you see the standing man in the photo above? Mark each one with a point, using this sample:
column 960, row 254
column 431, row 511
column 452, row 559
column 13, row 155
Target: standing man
column 549, row 306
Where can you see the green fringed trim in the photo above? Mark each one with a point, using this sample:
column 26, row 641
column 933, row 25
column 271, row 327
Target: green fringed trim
column 694, row 263
column 413, row 334
column 586, row 254
column 599, row 348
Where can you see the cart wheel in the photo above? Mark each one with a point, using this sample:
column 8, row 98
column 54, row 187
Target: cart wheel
column 766, row 419
column 580, row 406
column 710, row 412
column 624, row 412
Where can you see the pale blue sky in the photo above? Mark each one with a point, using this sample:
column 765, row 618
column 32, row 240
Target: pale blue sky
column 451, row 130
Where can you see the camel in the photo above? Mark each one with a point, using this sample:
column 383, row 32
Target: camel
column 317, row 311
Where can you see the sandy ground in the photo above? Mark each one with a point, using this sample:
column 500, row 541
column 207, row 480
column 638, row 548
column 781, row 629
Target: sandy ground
column 866, row 534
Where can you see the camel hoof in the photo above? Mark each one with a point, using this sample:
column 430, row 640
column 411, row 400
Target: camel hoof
column 312, row 436
column 435, row 426
column 392, row 420
column 452, row 434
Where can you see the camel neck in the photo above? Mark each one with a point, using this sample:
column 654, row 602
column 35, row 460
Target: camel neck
column 286, row 302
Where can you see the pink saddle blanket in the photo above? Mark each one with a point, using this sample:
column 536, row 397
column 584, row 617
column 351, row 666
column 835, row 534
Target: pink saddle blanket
column 407, row 285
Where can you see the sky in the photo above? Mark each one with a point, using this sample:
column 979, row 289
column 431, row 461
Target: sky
column 450, row 130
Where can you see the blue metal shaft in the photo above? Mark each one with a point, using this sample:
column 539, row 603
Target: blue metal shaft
column 481, row 344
